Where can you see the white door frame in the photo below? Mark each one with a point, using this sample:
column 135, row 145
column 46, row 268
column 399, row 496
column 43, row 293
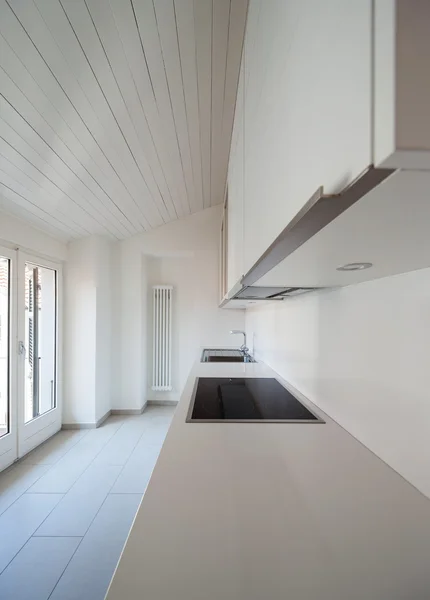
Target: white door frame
column 9, row 441
column 40, row 428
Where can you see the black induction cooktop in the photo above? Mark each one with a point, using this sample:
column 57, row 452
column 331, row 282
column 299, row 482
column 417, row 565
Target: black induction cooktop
column 248, row 399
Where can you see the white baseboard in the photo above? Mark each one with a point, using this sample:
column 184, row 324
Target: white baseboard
column 128, row 411
column 119, row 411
column 79, row 426
column 103, row 418
column 87, row 425
column 162, row 402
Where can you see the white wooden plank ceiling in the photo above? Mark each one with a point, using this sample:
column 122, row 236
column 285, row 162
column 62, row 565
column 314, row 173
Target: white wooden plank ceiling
column 116, row 115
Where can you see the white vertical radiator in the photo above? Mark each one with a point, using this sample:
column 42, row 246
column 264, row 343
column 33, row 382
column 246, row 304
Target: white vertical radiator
column 162, row 337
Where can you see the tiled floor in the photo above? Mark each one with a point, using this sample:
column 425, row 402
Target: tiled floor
column 66, row 509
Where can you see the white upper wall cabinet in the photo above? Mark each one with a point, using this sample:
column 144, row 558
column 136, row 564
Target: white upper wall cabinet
column 307, row 110
column 235, row 194
column 388, row 227
column 402, row 84
column 329, row 89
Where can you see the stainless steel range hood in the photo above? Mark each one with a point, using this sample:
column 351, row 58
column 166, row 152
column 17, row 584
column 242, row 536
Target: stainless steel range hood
column 320, row 210
column 255, row 292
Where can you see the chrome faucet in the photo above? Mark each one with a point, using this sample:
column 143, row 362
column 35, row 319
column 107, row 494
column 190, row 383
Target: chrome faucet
column 243, row 348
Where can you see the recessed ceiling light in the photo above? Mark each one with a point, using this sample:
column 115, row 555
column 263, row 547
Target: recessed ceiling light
column 358, row 266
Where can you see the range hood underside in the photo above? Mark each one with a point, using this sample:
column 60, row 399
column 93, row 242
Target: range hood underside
column 269, row 293
column 317, row 213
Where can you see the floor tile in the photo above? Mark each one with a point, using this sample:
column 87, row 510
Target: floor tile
column 61, row 477
column 54, row 494
column 150, row 443
column 35, row 570
column 75, row 512
column 119, row 448
column 89, row 572
column 16, row 480
column 21, row 520
column 154, row 435
column 159, row 414
column 55, row 448
column 156, row 415
column 135, row 475
column 156, row 410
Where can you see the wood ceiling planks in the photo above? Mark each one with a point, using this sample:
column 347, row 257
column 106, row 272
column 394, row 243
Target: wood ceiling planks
column 116, row 116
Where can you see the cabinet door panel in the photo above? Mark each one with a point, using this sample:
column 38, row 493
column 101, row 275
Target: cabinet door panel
column 235, row 193
column 402, row 84
column 307, row 118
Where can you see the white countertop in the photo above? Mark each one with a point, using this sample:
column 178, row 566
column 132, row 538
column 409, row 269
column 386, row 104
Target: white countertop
column 273, row 511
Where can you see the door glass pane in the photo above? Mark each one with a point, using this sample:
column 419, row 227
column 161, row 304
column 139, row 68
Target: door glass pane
column 4, row 344
column 40, row 340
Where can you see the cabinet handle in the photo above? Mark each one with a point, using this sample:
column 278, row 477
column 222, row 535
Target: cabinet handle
column 320, row 210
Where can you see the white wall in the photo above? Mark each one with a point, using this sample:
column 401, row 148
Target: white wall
column 103, row 272
column 16, row 233
column 361, row 353
column 189, row 262
column 183, row 253
column 129, row 326
column 87, row 331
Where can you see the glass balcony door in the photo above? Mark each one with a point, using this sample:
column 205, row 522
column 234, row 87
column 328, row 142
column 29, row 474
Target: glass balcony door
column 30, row 404
column 8, row 404
column 38, row 306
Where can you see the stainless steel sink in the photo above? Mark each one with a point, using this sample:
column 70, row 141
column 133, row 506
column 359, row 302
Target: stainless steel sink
column 225, row 359
column 225, row 355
